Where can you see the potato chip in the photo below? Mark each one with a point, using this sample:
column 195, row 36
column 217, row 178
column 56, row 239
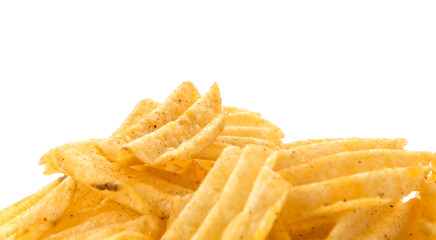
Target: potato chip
column 50, row 158
column 190, row 168
column 305, row 153
column 212, row 152
column 392, row 184
column 390, row 226
column 243, row 141
column 311, row 228
column 141, row 109
column 177, row 103
column 254, row 132
column 235, row 193
column 196, row 210
column 279, row 231
column 149, row 147
column 427, row 223
column 189, row 176
column 127, row 235
column 76, row 217
column 85, row 197
column 343, row 206
column 97, row 221
column 347, row 163
column 356, row 222
column 42, row 216
column 248, row 119
column 411, row 213
column 262, row 208
column 196, row 144
column 428, row 197
column 16, row 209
column 428, row 228
column 141, row 192
column 237, row 110
column 308, row 141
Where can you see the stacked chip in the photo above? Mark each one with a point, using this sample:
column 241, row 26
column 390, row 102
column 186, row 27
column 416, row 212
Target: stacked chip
column 190, row 168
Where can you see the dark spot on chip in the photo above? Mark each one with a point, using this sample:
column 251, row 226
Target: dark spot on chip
column 106, row 186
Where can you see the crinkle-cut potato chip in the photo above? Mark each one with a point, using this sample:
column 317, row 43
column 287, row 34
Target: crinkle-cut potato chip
column 197, row 143
column 427, row 223
column 212, row 152
column 205, row 164
column 243, row 141
column 254, row 132
column 308, row 141
column 235, row 193
column 262, row 208
column 98, row 221
column 33, row 222
column 196, row 210
column 16, row 209
column 71, row 219
column 348, row 163
column 279, row 231
column 190, row 168
column 390, row 226
column 249, row 119
column 230, row 109
column 340, row 207
column 143, row 193
column 356, row 222
column 310, row 228
column 428, row 197
column 128, row 235
column 50, row 158
column 150, row 147
column 391, row 184
column 141, row 109
column 189, row 176
column 412, row 213
column 305, row 153
column 175, row 105
column 85, row 197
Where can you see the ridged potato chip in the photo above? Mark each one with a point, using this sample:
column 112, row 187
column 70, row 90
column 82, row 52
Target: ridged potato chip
column 190, row 168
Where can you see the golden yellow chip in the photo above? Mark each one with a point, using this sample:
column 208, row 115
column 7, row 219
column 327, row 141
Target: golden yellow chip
column 98, row 221
column 249, row 119
column 347, row 163
column 151, row 146
column 387, row 225
column 190, row 168
column 143, row 193
column 196, row 210
column 139, row 112
column 32, row 223
column 177, row 103
column 308, row 141
column 237, row 110
column 356, row 222
column 304, row 153
column 188, row 149
column 262, row 208
column 254, row 132
column 16, row 209
column 235, row 193
column 392, row 184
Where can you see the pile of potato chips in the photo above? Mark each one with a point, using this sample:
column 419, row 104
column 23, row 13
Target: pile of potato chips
column 190, row 168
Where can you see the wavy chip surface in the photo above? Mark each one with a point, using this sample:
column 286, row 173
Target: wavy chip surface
column 191, row 168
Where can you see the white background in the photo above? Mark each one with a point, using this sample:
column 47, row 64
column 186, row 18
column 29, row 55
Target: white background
column 73, row 70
